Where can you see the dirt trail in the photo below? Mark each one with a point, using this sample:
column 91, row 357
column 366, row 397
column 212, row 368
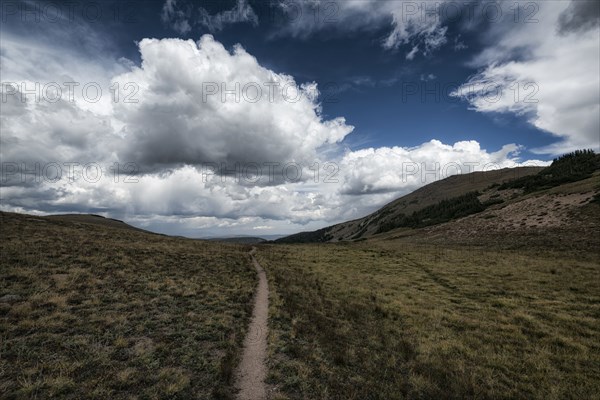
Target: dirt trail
column 251, row 373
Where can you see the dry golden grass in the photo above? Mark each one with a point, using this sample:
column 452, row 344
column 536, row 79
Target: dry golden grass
column 393, row 320
column 99, row 311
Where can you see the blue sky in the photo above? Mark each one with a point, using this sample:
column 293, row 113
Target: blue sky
column 372, row 87
column 503, row 84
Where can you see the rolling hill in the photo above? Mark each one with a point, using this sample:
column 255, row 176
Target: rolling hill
column 561, row 197
column 94, row 219
column 451, row 187
column 94, row 308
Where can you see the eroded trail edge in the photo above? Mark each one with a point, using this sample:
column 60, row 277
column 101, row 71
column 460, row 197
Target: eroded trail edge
column 252, row 371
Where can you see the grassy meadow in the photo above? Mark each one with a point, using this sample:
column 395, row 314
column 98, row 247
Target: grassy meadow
column 99, row 310
column 392, row 320
column 92, row 311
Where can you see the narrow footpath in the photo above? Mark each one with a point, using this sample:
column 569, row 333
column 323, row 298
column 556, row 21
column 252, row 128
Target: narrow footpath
column 252, row 371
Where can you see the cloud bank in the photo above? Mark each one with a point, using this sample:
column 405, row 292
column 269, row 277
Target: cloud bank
column 146, row 160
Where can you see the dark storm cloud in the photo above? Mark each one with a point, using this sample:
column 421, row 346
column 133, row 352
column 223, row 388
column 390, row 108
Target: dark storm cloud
column 580, row 16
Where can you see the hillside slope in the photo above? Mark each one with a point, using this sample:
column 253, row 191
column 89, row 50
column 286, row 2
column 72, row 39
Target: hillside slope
column 551, row 202
column 94, row 308
column 78, row 219
column 564, row 218
column 428, row 195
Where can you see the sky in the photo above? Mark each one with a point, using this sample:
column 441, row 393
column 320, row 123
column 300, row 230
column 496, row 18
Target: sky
column 243, row 117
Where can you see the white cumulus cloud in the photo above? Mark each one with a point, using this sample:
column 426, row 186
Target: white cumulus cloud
column 546, row 72
column 201, row 103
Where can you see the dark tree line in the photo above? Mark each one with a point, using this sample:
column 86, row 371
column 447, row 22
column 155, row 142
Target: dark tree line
column 572, row 167
column 444, row 211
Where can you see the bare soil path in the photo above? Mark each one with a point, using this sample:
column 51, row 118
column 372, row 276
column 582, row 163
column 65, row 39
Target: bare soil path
column 251, row 373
